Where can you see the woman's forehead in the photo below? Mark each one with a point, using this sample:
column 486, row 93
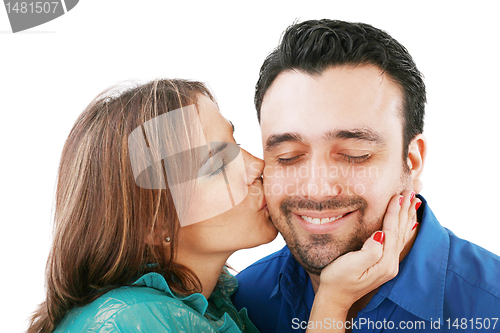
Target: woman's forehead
column 213, row 123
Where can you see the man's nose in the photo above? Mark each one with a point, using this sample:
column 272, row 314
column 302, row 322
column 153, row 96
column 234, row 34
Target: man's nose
column 321, row 181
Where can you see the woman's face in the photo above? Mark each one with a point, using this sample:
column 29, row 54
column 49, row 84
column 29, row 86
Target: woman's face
column 227, row 210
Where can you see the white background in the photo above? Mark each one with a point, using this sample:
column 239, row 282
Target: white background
column 50, row 73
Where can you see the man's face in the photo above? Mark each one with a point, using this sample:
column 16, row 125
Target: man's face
column 333, row 149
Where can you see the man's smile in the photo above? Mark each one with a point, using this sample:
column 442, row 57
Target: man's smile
column 315, row 222
column 316, row 217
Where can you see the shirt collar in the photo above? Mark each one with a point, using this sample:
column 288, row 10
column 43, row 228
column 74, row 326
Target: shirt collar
column 199, row 303
column 196, row 301
column 420, row 284
column 292, row 281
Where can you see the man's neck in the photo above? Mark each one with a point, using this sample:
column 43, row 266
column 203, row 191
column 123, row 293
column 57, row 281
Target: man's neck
column 363, row 301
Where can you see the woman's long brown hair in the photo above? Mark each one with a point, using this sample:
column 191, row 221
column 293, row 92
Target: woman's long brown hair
column 108, row 230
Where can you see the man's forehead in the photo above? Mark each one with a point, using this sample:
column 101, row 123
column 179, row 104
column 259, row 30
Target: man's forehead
column 338, row 98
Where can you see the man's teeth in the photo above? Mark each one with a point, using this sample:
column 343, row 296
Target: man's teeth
column 316, row 220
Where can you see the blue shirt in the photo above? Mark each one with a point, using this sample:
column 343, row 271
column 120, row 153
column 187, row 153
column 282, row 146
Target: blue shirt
column 444, row 284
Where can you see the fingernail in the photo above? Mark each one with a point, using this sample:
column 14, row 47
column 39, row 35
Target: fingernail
column 417, row 205
column 400, row 201
column 412, row 196
column 414, row 226
column 379, row 237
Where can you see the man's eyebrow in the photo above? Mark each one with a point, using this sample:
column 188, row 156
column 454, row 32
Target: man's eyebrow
column 361, row 134
column 275, row 140
column 232, row 125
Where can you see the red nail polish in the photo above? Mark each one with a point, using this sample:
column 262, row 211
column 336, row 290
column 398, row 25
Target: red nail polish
column 400, row 201
column 379, row 237
column 417, row 205
column 412, row 196
column 414, row 226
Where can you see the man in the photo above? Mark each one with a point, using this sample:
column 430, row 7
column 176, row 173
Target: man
column 341, row 109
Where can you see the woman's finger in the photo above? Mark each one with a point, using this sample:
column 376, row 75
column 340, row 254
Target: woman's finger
column 396, row 226
column 412, row 219
column 406, row 219
column 391, row 229
column 370, row 254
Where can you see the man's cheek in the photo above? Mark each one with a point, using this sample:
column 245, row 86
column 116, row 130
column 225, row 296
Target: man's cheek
column 366, row 181
column 377, row 198
column 275, row 188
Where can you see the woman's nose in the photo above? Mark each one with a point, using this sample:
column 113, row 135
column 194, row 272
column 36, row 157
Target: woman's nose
column 254, row 166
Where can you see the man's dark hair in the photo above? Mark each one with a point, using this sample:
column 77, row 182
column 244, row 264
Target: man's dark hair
column 313, row 46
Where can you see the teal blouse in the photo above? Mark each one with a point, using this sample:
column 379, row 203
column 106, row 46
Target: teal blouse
column 150, row 306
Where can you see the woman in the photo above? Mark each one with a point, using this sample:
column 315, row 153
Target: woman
column 152, row 199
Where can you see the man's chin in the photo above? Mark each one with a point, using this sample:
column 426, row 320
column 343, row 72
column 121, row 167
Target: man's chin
column 316, row 256
column 316, row 269
column 316, row 251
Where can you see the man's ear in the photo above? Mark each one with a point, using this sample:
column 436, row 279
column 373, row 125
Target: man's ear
column 416, row 158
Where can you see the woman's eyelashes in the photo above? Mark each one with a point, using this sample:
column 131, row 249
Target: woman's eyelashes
column 213, row 166
column 223, row 154
column 218, row 167
column 348, row 158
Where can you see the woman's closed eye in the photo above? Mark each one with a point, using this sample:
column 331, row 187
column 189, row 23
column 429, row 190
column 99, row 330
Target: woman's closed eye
column 219, row 164
column 213, row 166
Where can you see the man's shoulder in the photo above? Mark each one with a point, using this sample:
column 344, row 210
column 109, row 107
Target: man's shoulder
column 465, row 272
column 267, row 267
column 257, row 291
column 257, row 282
column 473, row 267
